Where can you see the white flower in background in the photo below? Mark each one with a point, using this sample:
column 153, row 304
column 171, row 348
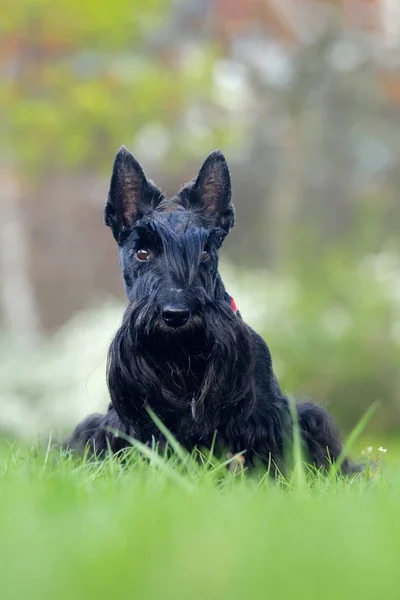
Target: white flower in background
column 382, row 449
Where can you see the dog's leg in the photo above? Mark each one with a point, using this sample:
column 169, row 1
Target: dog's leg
column 94, row 433
column 320, row 437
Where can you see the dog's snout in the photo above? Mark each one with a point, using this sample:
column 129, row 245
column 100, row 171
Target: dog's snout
column 175, row 316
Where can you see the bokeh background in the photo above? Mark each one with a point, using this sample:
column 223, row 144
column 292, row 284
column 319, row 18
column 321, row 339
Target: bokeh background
column 302, row 96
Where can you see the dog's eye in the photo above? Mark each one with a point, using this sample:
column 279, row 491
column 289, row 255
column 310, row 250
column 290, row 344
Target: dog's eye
column 142, row 254
column 204, row 255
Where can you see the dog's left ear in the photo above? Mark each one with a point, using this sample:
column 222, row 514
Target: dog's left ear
column 213, row 189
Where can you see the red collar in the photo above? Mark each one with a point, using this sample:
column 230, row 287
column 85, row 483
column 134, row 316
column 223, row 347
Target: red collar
column 233, row 304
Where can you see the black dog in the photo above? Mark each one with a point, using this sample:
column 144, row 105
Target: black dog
column 182, row 348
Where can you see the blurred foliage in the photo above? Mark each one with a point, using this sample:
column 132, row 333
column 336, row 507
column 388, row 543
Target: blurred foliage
column 62, row 380
column 84, row 77
column 333, row 328
column 309, row 130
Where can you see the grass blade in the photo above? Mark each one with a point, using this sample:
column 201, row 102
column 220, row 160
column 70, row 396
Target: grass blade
column 183, row 455
column 352, row 438
column 156, row 460
column 298, row 477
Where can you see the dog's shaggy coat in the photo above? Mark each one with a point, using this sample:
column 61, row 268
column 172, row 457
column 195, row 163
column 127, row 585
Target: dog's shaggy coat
column 182, row 349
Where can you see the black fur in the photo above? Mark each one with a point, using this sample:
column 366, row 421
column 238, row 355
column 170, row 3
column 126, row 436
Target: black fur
column 212, row 373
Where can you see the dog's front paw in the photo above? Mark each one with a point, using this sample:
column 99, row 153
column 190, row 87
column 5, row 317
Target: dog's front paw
column 237, row 462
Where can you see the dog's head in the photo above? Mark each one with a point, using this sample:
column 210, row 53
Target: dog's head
column 168, row 248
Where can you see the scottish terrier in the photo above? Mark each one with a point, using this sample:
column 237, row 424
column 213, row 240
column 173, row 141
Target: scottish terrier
column 183, row 348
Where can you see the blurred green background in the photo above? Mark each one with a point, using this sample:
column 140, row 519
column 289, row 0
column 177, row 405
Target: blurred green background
column 303, row 99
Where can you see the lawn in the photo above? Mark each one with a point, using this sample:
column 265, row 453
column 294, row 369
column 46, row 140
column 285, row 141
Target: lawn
column 177, row 529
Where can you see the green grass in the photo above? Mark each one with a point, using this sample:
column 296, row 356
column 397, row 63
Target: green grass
column 177, row 529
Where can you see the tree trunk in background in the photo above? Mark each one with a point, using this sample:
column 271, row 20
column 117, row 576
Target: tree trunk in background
column 284, row 198
column 17, row 298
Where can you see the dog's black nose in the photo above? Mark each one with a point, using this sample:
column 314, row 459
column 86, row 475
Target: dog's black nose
column 175, row 316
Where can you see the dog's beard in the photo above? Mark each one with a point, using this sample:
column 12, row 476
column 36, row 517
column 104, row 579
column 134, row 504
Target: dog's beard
column 204, row 366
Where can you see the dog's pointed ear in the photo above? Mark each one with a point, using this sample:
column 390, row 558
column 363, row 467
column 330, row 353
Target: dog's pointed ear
column 131, row 195
column 214, row 191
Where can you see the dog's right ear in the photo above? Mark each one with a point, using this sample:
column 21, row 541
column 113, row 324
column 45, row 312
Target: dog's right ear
column 131, row 195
